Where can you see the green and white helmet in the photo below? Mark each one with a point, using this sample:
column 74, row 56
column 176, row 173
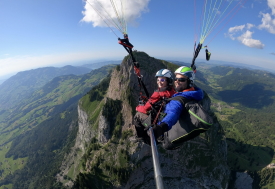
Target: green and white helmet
column 188, row 72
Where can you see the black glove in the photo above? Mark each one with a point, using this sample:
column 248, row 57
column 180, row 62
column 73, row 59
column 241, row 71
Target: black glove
column 119, row 39
column 158, row 129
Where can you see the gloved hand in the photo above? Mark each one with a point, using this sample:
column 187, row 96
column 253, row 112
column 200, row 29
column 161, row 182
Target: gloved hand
column 158, row 130
column 119, row 39
column 141, row 109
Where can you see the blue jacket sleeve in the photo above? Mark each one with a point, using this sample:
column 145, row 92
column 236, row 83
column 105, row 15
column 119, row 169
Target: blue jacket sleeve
column 173, row 110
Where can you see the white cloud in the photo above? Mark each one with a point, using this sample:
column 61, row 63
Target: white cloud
column 249, row 26
column 132, row 11
column 271, row 4
column 268, row 23
column 246, row 39
column 236, row 28
column 233, row 30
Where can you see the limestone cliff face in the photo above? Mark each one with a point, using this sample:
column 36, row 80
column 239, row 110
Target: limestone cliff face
column 199, row 163
column 103, row 130
column 85, row 133
column 72, row 160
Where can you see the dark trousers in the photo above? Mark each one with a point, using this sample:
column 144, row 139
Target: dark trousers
column 139, row 118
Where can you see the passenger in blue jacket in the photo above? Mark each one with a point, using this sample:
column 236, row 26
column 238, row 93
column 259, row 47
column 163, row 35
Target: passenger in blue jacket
column 184, row 85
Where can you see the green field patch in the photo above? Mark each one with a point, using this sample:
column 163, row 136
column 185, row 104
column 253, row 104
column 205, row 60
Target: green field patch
column 230, row 72
column 87, row 105
column 9, row 186
column 63, row 115
column 4, row 137
column 9, row 165
column 245, row 157
column 269, row 186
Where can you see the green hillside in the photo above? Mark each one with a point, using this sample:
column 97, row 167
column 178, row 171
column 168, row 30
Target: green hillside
column 244, row 102
column 244, row 99
column 23, row 127
column 24, row 83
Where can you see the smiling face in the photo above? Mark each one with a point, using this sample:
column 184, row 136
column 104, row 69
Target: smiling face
column 162, row 82
column 181, row 85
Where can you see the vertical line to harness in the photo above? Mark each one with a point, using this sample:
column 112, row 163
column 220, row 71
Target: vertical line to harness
column 219, row 18
column 232, row 13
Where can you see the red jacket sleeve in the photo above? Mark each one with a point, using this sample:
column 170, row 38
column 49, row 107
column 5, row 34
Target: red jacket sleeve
column 147, row 107
column 156, row 96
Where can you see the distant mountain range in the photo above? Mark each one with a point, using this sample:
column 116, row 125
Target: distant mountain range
column 100, row 64
column 21, row 85
column 224, row 63
column 90, row 66
column 1, row 81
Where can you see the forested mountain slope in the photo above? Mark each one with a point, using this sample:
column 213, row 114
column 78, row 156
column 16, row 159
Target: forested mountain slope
column 34, row 133
column 24, row 83
column 244, row 102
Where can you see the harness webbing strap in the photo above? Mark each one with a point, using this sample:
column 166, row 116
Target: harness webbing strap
column 129, row 51
column 136, row 70
column 125, row 45
column 181, row 99
column 143, row 86
column 196, row 53
column 157, row 116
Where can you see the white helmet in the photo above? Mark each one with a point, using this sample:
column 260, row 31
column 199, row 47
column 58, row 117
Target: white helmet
column 188, row 72
column 166, row 73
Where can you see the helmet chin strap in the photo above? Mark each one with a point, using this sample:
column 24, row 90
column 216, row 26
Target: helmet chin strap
column 190, row 83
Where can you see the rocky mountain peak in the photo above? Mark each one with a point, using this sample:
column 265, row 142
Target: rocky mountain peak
column 110, row 149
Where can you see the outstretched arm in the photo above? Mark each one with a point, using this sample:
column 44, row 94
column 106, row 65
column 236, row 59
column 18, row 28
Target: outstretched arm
column 173, row 111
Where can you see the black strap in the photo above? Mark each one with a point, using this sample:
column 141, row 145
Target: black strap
column 196, row 53
column 129, row 50
column 143, row 86
column 136, row 65
column 181, row 99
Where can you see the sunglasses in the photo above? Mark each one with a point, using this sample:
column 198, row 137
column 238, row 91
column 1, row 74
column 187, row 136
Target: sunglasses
column 181, row 79
column 161, row 80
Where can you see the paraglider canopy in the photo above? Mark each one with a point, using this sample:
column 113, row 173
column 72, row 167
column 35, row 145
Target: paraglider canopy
column 212, row 16
column 115, row 14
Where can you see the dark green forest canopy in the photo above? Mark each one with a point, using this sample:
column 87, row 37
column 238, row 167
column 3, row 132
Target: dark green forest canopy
column 244, row 101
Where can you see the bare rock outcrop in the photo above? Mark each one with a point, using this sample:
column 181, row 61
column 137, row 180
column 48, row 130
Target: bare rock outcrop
column 103, row 130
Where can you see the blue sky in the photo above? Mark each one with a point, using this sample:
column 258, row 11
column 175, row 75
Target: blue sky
column 53, row 33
